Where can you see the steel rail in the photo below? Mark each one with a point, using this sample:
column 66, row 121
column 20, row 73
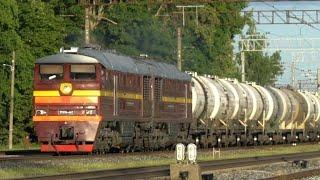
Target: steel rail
column 34, row 155
column 161, row 171
column 296, row 175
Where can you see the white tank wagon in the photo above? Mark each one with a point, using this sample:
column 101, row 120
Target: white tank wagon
column 226, row 101
column 308, row 109
column 198, row 99
column 270, row 109
column 212, row 102
column 317, row 119
column 283, row 112
column 310, row 117
column 297, row 110
column 236, row 96
column 248, row 113
column 315, row 102
column 254, row 106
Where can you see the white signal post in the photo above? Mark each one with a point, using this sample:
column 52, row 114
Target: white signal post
column 180, row 152
column 192, row 153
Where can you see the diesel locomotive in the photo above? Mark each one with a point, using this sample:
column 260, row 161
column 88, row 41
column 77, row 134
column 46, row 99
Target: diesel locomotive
column 88, row 100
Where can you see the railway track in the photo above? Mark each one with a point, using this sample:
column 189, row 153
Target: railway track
column 162, row 171
column 34, row 155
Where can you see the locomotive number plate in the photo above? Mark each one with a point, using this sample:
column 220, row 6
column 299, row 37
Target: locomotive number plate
column 65, row 112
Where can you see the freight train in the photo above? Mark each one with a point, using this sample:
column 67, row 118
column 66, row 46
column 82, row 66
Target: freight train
column 89, row 100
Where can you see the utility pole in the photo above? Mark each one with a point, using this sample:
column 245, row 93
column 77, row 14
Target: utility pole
column 179, row 31
column 12, row 99
column 12, row 69
column 179, row 62
column 293, row 74
column 87, row 24
column 243, row 72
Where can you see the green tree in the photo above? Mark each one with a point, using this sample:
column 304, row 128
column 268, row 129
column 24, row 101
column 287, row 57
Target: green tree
column 9, row 40
column 41, row 32
column 207, row 47
column 261, row 67
column 32, row 30
column 137, row 31
column 73, row 19
column 40, row 28
column 212, row 39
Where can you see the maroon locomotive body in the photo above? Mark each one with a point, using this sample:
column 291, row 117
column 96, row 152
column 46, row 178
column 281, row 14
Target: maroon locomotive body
column 90, row 100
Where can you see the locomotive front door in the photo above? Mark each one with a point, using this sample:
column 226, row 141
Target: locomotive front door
column 147, row 96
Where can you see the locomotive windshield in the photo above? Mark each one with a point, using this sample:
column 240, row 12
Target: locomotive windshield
column 83, row 72
column 51, row 72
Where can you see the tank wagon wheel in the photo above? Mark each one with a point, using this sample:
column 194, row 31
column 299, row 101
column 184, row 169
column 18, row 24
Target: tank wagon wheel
column 128, row 149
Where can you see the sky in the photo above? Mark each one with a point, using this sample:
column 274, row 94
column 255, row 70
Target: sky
column 306, row 63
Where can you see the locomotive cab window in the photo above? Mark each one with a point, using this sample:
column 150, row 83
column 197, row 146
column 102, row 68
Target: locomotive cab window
column 51, row 72
column 83, row 72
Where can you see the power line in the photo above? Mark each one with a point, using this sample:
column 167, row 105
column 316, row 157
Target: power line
column 302, row 20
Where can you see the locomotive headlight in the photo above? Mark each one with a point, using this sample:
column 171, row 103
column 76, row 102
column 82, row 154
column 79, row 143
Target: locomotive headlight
column 255, row 138
column 308, row 137
column 219, row 139
column 297, row 137
column 318, row 136
column 66, row 88
column 270, row 138
column 238, row 139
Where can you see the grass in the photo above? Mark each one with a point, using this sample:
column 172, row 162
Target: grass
column 20, row 146
column 117, row 161
column 260, row 151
